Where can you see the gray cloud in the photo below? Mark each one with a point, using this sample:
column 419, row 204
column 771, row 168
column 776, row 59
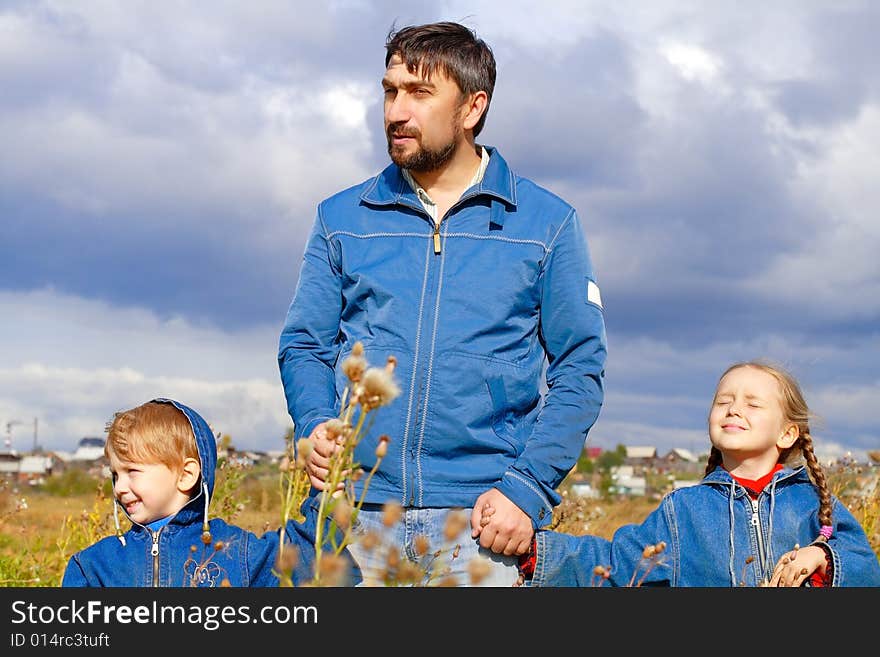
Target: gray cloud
column 167, row 163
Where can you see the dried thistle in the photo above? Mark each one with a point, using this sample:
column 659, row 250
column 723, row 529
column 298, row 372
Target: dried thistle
column 421, row 544
column 456, row 523
column 391, row 513
column 378, row 388
column 478, row 570
column 354, row 367
column 342, row 513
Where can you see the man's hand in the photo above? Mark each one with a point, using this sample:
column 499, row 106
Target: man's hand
column 506, row 530
column 318, row 459
column 794, row 567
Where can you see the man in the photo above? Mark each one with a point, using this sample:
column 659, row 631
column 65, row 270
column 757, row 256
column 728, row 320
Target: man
column 470, row 276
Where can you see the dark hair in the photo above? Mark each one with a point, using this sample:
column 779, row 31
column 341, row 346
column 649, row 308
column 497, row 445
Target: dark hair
column 450, row 48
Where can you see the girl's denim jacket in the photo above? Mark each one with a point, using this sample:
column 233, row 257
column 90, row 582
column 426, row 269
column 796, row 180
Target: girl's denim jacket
column 714, row 535
column 176, row 555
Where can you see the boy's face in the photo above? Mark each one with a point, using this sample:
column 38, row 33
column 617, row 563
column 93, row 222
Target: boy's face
column 147, row 491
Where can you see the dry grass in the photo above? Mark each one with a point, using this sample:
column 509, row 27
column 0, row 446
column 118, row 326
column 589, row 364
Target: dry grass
column 37, row 540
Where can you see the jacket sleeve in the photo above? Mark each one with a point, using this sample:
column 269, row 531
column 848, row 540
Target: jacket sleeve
column 854, row 562
column 308, row 346
column 74, row 576
column 572, row 332
column 566, row 560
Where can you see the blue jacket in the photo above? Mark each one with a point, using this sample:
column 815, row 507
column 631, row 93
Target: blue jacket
column 142, row 558
column 711, row 530
column 470, row 310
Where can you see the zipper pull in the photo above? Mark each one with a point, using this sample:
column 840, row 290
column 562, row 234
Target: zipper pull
column 436, row 239
column 155, row 549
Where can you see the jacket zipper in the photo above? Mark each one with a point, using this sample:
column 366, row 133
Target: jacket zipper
column 436, row 238
column 155, row 552
column 756, row 523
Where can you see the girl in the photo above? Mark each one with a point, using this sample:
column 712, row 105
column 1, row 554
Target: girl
column 752, row 521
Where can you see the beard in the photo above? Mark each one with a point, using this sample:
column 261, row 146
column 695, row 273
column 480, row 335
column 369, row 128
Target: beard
column 424, row 158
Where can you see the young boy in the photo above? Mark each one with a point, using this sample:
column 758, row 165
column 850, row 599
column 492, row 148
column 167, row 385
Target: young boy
column 162, row 458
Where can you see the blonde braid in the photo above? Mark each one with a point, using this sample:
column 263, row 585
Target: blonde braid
column 819, row 479
column 714, row 460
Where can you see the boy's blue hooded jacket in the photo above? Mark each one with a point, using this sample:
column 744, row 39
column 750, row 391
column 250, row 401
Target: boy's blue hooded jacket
column 175, row 555
column 715, row 535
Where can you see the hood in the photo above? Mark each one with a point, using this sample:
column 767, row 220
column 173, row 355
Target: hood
column 205, row 441
column 197, row 508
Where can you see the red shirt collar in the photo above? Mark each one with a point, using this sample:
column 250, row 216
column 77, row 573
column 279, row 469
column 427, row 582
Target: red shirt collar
column 755, row 486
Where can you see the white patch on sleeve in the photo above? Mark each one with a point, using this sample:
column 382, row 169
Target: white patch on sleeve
column 593, row 294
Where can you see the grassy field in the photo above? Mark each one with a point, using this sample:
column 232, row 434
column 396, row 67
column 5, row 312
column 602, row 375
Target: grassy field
column 41, row 527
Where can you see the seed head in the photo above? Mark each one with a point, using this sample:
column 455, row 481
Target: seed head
column 648, row 552
column 219, row 545
column 456, row 523
column 382, row 447
column 342, row 513
column 369, row 541
column 334, row 428
column 408, row 573
column 421, row 544
column 288, row 558
column 391, row 513
column 354, row 367
column 599, row 571
column 449, row 581
column 357, row 349
column 206, row 537
column 478, row 570
column 379, row 389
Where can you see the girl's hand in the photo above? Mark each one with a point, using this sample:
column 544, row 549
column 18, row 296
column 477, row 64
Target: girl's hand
column 795, row 567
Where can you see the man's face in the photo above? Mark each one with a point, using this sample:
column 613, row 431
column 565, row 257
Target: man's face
column 423, row 118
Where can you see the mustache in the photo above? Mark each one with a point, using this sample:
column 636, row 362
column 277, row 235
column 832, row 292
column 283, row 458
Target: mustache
column 399, row 130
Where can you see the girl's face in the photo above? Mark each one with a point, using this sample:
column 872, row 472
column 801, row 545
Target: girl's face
column 747, row 423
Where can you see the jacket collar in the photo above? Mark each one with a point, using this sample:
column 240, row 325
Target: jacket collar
column 721, row 476
column 390, row 187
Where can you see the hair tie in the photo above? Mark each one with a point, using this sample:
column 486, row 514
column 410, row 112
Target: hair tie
column 825, row 532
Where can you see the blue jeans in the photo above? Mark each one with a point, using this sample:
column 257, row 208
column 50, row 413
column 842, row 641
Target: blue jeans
column 425, row 547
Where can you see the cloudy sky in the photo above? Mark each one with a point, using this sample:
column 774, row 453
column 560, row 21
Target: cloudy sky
column 161, row 163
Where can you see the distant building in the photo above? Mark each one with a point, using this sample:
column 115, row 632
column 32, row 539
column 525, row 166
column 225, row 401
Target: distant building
column 89, row 449
column 584, row 489
column 9, row 461
column 625, row 485
column 679, row 455
column 640, row 455
column 34, row 469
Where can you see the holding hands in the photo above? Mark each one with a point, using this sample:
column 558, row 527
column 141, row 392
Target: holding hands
column 501, row 525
